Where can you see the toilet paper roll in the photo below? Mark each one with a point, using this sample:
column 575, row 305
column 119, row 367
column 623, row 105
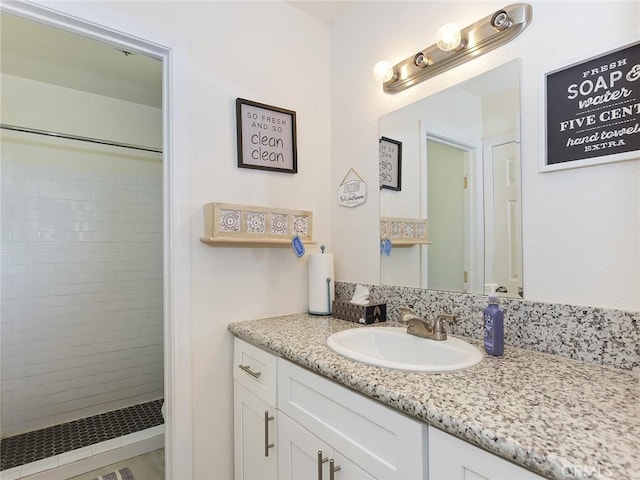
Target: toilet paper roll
column 321, row 291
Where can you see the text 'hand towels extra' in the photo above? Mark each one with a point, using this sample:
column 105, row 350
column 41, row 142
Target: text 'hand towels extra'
column 321, row 283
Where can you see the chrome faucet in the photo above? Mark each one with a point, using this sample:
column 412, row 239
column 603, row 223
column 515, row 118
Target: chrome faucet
column 425, row 328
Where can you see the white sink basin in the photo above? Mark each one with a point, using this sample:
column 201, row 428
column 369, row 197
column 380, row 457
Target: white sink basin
column 393, row 347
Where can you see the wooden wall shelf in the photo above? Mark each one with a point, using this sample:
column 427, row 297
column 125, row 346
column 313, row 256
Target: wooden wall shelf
column 241, row 242
column 404, row 232
column 233, row 225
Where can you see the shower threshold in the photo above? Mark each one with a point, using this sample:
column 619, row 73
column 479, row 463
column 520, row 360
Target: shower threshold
column 68, row 442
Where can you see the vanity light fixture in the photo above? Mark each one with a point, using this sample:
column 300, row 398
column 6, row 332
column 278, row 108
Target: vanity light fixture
column 383, row 71
column 455, row 46
column 449, row 37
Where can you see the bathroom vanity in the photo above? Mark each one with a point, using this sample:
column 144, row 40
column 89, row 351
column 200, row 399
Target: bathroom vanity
column 304, row 411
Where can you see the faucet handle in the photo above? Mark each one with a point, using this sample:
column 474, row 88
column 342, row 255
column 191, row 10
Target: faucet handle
column 444, row 317
column 405, row 314
column 438, row 323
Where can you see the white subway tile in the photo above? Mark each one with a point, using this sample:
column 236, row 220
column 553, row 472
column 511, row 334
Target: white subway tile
column 115, row 395
column 9, row 201
column 12, row 473
column 70, row 293
column 54, row 236
column 22, row 191
column 38, row 180
column 41, row 268
column 82, row 237
column 7, row 213
column 75, row 455
column 77, row 194
column 24, row 236
column 78, row 393
column 44, row 246
column 106, row 446
column 69, row 407
column 92, row 362
column 39, row 466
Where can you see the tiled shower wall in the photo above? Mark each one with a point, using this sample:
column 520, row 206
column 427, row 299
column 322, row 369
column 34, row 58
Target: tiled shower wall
column 81, row 285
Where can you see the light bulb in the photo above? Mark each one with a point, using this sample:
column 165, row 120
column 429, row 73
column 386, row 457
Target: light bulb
column 383, row 71
column 449, row 37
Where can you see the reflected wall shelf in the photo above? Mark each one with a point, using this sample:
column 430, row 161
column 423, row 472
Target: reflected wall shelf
column 404, row 232
column 227, row 224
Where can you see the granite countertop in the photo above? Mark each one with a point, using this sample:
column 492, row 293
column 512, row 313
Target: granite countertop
column 559, row 418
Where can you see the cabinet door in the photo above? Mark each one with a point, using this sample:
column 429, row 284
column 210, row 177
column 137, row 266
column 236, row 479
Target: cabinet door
column 347, row 469
column 303, row 456
column 254, row 425
column 374, row 436
column 453, row 459
column 298, row 451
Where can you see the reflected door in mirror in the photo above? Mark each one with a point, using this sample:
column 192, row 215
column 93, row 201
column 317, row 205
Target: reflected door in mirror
column 446, row 213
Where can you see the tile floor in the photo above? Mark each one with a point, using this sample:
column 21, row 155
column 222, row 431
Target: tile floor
column 48, row 442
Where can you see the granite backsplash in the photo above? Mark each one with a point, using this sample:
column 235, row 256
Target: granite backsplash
column 601, row 336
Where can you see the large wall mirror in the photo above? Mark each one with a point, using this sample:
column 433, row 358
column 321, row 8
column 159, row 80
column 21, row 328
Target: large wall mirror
column 461, row 172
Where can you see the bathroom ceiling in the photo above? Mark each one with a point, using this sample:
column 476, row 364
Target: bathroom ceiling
column 42, row 53
column 326, row 12
column 38, row 52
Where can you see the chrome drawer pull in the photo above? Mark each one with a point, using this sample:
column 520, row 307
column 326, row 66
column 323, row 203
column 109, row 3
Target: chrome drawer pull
column 267, row 445
column 247, row 369
column 320, row 462
column 332, row 469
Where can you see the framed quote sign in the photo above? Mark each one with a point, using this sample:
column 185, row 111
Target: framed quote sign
column 266, row 137
column 390, row 164
column 352, row 190
column 592, row 111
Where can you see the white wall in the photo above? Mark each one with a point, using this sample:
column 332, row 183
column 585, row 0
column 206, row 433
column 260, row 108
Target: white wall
column 271, row 53
column 81, row 258
column 581, row 227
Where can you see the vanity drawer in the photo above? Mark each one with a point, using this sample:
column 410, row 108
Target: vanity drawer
column 370, row 434
column 255, row 369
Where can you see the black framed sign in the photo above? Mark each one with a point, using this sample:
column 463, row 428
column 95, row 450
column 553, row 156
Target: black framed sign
column 390, row 164
column 266, row 137
column 593, row 111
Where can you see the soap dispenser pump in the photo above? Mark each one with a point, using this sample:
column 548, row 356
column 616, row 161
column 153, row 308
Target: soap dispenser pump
column 493, row 324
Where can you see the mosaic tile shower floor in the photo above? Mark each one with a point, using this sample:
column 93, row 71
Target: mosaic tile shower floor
column 31, row 446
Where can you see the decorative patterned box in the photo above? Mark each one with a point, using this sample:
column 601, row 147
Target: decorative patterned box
column 229, row 223
column 345, row 310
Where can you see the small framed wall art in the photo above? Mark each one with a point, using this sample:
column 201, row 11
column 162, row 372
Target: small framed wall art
column 352, row 190
column 592, row 111
column 266, row 137
column 390, row 164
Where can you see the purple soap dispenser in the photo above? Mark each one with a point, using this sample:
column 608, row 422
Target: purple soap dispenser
column 493, row 324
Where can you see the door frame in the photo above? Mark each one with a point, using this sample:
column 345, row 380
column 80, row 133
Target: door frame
column 93, row 21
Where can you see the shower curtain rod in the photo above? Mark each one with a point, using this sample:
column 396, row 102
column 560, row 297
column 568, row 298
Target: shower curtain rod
column 78, row 138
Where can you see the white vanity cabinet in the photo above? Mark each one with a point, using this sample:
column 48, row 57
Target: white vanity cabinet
column 254, row 414
column 453, row 459
column 358, row 437
column 292, row 424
